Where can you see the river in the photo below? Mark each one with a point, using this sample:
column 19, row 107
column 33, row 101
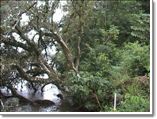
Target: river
column 47, row 100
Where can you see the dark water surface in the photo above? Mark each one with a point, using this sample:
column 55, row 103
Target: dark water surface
column 46, row 101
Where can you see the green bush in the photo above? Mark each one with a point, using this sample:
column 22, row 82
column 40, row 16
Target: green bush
column 135, row 59
column 134, row 103
column 89, row 93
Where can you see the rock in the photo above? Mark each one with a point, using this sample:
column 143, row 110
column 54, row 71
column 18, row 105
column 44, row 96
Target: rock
column 25, row 108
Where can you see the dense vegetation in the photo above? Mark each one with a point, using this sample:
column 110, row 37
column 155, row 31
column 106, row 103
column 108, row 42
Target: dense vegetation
column 101, row 48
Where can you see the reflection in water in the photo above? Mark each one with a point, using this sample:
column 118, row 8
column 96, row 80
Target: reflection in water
column 49, row 93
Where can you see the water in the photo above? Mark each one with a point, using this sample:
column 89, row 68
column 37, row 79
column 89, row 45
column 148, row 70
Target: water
column 48, row 95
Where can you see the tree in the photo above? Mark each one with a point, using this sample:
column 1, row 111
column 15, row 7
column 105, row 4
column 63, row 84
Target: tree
column 94, row 44
column 31, row 54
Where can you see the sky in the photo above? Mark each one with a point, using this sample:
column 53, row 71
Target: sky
column 56, row 18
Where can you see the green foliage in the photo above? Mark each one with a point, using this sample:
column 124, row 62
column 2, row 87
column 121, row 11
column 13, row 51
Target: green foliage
column 89, row 93
column 140, row 27
column 111, row 34
column 60, row 62
column 113, row 40
column 135, row 59
column 132, row 60
column 134, row 104
column 99, row 60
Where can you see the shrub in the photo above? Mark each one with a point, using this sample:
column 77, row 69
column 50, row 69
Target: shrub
column 135, row 59
column 134, row 103
column 89, row 93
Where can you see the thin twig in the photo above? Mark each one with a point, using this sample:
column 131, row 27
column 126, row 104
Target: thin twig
column 96, row 97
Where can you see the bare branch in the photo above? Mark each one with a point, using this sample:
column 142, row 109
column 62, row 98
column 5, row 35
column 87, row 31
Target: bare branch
column 78, row 54
column 66, row 50
column 27, row 77
column 19, row 15
column 52, row 74
column 11, row 42
column 20, row 32
column 31, row 44
column 35, row 72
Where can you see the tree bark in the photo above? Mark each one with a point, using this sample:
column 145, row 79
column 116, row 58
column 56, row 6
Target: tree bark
column 66, row 50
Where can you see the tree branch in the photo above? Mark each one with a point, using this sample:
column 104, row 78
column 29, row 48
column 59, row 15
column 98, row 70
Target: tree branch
column 25, row 76
column 11, row 42
column 19, row 15
column 28, row 8
column 52, row 74
column 78, row 54
column 66, row 50
column 35, row 72
column 32, row 45
column 20, row 32
column 15, row 94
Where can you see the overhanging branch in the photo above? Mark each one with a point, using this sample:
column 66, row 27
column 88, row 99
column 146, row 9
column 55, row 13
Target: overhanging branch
column 30, row 44
column 15, row 43
column 66, row 50
column 25, row 76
